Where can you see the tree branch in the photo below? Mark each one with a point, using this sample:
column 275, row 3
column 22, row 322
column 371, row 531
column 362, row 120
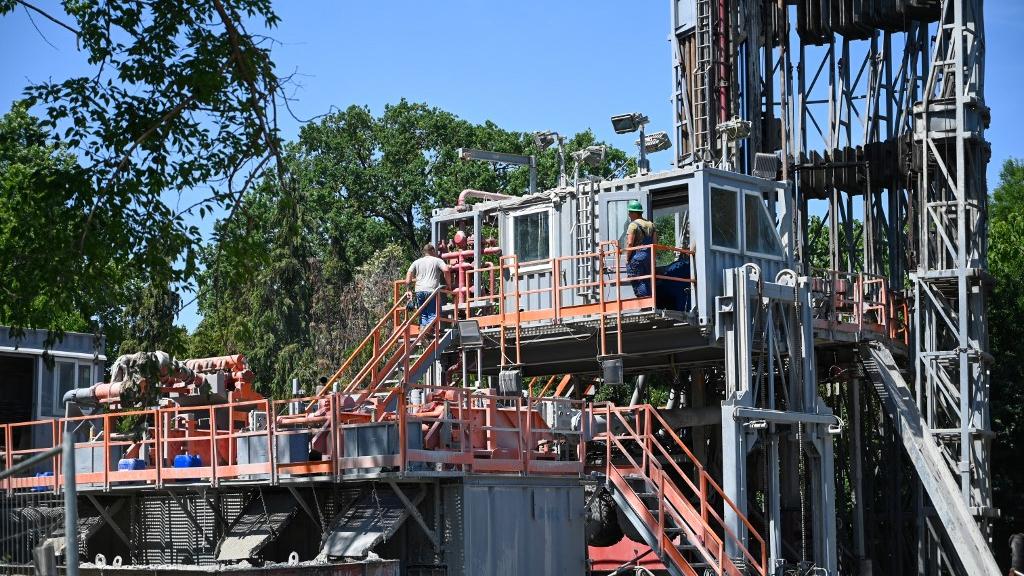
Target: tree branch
column 49, row 17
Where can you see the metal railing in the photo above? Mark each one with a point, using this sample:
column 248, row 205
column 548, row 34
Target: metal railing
column 276, row 439
column 857, row 302
column 500, row 300
column 685, row 496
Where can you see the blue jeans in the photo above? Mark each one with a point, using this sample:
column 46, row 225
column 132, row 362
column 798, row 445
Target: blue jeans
column 427, row 316
column 640, row 265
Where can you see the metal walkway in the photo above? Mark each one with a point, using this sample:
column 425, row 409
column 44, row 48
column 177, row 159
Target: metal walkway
column 918, row 440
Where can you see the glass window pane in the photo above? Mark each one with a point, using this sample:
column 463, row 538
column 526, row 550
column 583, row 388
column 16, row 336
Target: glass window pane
column 64, row 374
column 532, row 236
column 618, row 221
column 85, row 376
column 723, row 219
column 760, row 230
column 670, row 223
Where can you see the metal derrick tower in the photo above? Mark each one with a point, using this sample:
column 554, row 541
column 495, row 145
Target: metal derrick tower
column 876, row 108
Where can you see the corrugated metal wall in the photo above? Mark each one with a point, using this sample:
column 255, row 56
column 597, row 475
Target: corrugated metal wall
column 522, row 527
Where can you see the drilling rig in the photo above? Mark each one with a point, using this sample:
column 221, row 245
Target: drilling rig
column 813, row 300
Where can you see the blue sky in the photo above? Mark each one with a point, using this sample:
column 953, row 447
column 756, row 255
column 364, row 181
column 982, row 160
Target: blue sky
column 528, row 65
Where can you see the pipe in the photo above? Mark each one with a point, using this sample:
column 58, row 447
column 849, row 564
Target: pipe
column 93, row 394
column 490, row 250
column 482, row 195
column 233, row 363
column 70, row 505
column 638, row 391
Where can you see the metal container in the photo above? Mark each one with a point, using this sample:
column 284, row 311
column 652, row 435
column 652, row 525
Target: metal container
column 378, row 439
column 293, row 447
column 512, row 526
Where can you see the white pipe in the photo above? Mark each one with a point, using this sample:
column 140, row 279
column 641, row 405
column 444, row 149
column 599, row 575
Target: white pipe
column 471, row 193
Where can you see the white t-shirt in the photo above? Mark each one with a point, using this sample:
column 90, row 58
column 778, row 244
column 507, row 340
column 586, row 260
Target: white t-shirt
column 429, row 273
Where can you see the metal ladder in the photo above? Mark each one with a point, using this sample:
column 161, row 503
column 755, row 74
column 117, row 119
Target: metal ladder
column 583, row 237
column 703, row 136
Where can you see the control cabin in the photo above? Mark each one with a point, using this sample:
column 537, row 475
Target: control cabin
column 551, row 267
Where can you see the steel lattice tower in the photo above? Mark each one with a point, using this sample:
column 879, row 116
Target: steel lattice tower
column 877, row 110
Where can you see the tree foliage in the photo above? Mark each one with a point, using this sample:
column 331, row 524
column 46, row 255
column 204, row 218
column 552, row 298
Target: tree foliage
column 1005, row 311
column 182, row 97
column 301, row 273
column 48, row 282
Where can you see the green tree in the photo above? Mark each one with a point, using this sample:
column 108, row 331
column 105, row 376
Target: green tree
column 44, row 192
column 1005, row 311
column 397, row 168
column 148, row 323
column 181, row 96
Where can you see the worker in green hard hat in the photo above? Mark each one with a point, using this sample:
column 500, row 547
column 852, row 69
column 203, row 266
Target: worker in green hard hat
column 638, row 260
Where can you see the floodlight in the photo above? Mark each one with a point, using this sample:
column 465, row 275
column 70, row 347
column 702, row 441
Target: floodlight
column 591, row 155
column 729, row 132
column 656, row 142
column 734, row 129
column 544, row 140
column 626, row 123
column 766, row 165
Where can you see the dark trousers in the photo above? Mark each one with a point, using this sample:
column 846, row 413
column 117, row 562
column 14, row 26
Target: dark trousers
column 640, row 265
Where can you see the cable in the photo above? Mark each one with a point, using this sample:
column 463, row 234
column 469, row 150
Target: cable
column 802, row 473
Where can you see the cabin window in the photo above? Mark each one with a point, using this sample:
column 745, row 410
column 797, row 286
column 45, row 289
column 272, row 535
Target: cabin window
column 672, row 226
column 532, row 233
column 760, row 232
column 618, row 221
column 68, row 375
column 724, row 219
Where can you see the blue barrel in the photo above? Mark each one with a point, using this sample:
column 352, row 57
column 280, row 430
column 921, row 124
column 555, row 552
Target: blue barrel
column 42, row 488
column 131, row 464
column 187, row 461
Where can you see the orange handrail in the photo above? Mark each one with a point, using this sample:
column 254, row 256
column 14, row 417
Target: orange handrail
column 653, row 453
column 370, row 338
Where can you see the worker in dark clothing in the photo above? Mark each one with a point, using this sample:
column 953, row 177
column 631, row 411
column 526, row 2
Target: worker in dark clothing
column 638, row 260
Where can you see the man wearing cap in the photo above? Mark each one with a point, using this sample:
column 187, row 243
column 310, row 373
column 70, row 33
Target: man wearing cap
column 638, row 260
column 428, row 272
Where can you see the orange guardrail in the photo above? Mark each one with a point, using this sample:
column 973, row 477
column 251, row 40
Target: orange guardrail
column 501, row 435
column 858, row 302
column 676, row 488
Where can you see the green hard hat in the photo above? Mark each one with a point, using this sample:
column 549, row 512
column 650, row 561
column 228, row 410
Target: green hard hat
column 635, row 206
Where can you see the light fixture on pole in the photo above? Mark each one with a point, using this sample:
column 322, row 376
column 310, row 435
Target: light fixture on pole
column 592, row 156
column 543, row 141
column 730, row 132
column 627, row 123
column 656, row 142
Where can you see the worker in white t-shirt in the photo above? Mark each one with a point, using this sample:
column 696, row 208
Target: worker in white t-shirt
column 429, row 272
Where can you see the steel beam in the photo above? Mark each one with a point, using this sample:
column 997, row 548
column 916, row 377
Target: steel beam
column 106, row 514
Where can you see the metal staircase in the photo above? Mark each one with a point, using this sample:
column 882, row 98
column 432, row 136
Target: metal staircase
column 919, row 441
column 671, row 500
column 397, row 351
